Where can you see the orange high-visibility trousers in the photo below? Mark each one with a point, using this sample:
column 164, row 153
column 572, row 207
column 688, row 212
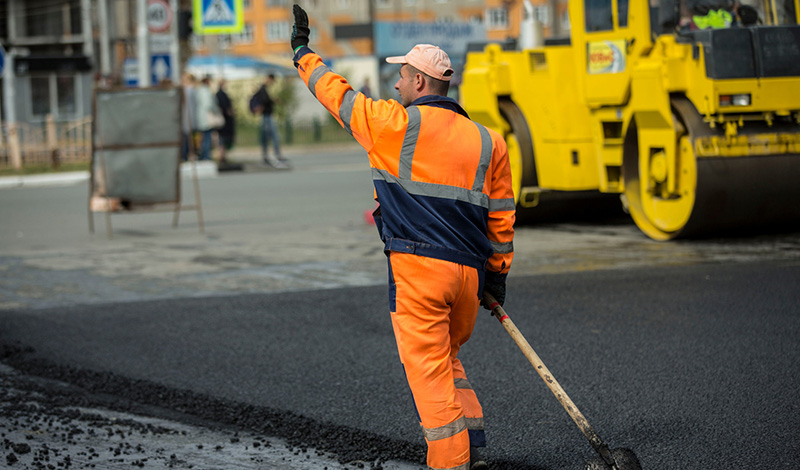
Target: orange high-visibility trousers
column 434, row 304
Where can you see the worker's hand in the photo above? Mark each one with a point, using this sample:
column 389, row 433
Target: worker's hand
column 494, row 284
column 300, row 30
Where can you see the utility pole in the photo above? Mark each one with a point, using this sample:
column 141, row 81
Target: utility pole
column 175, row 46
column 105, row 47
column 8, row 86
column 86, row 28
column 142, row 43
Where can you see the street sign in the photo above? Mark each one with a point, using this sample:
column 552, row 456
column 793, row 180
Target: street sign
column 160, row 67
column 159, row 16
column 218, row 16
column 130, row 72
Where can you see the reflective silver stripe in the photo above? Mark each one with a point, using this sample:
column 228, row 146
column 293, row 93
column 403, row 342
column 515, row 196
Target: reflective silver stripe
column 420, row 188
column 315, row 76
column 409, row 142
column 346, row 109
column 448, row 430
column 475, row 424
column 463, row 384
column 496, row 205
column 502, row 248
column 486, row 158
column 460, row 467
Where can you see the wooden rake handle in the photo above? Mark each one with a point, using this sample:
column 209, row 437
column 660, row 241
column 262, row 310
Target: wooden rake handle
column 545, row 374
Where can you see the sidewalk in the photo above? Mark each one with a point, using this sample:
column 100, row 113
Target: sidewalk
column 205, row 169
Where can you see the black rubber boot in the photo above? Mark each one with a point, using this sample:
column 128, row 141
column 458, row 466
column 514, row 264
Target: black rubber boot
column 476, row 460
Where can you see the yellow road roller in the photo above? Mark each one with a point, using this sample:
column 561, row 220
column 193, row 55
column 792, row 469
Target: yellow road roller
column 694, row 122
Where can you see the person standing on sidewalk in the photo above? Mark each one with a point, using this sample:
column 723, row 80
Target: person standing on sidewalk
column 206, row 106
column 446, row 216
column 189, row 116
column 263, row 103
column 227, row 132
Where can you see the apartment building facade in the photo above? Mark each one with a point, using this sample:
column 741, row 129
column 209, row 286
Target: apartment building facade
column 48, row 53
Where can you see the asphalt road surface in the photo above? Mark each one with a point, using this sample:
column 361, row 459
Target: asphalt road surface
column 265, row 343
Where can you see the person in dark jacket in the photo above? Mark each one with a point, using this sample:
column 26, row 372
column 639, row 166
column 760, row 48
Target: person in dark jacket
column 269, row 128
column 227, row 132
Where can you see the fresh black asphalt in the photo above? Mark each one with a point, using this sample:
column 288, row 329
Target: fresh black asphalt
column 692, row 367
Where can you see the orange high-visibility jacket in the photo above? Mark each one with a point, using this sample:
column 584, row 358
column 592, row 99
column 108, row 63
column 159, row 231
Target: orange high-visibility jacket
column 443, row 182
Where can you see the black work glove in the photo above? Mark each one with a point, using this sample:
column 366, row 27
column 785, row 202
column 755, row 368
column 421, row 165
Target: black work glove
column 494, row 284
column 300, row 30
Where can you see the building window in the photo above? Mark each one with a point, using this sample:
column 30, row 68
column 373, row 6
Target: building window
column 278, row 31
column 245, row 3
column 497, row 18
column 197, row 42
column 245, row 37
column 65, row 95
column 277, row 3
column 40, row 96
column 54, row 94
column 51, row 18
column 383, row 3
column 411, row 2
column 343, row 4
column 541, row 13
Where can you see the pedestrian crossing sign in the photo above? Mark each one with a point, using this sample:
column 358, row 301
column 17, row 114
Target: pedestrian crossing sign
column 217, row 16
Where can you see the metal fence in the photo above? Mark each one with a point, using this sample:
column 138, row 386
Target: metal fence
column 50, row 143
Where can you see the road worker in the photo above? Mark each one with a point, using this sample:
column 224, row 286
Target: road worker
column 711, row 14
column 446, row 216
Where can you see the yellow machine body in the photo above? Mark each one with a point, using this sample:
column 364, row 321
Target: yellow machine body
column 698, row 131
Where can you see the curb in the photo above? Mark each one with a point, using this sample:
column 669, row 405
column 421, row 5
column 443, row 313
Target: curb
column 205, row 169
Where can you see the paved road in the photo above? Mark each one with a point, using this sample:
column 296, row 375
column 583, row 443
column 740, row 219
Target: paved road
column 272, row 321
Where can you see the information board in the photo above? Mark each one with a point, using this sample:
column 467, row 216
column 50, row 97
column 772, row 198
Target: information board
column 136, row 146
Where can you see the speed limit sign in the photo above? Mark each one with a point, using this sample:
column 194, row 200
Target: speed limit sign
column 159, row 16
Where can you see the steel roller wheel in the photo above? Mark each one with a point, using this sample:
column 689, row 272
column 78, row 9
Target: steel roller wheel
column 520, row 148
column 660, row 204
column 709, row 195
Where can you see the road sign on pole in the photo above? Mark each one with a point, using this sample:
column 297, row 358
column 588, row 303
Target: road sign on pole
column 160, row 67
column 218, row 16
column 159, row 16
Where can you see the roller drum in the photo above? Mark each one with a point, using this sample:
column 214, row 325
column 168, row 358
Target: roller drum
column 745, row 192
column 718, row 191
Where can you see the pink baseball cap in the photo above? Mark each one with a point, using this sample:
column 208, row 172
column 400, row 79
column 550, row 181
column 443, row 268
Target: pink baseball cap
column 428, row 59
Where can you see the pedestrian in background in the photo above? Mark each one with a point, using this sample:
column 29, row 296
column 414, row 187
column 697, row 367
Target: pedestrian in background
column 227, row 132
column 209, row 117
column 262, row 103
column 446, row 216
column 189, row 113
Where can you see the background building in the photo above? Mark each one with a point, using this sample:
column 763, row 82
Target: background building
column 345, row 28
column 56, row 51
